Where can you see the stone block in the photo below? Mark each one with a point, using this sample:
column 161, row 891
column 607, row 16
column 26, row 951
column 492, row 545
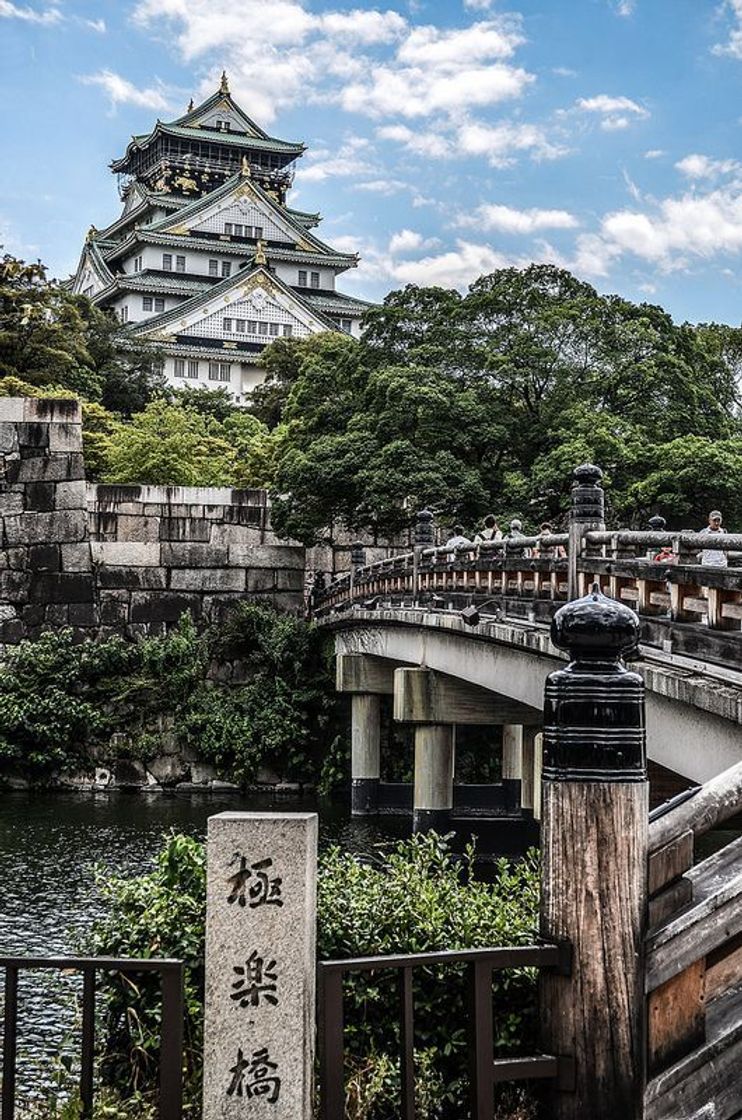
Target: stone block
column 49, row 410
column 76, row 557
column 42, row 528
column 290, row 581
column 14, row 586
column 61, row 587
column 40, row 496
column 129, row 773
column 11, row 410
column 261, row 580
column 114, row 612
column 44, row 557
column 70, row 495
column 8, row 438
column 65, row 437
column 12, row 632
column 185, row 529
column 266, row 556
column 151, row 579
column 202, row 773
column 152, row 608
column 33, row 614
column 207, row 579
column 7, row 613
column 17, row 558
column 47, row 468
column 261, row 889
column 34, row 435
column 192, row 555
column 226, row 535
column 125, row 553
column 290, row 602
column 168, row 769
column 83, row 614
column 144, row 530
column 11, row 503
column 56, row 614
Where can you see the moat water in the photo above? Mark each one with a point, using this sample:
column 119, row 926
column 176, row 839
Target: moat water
column 50, row 847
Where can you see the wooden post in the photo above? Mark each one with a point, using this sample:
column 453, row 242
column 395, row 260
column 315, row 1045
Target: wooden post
column 587, row 514
column 424, row 537
column 594, row 858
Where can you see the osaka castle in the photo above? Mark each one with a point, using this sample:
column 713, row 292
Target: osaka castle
column 207, row 260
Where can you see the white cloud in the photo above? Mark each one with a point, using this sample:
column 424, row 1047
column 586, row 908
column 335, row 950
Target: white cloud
column 733, row 45
column 351, row 159
column 479, row 5
column 98, row 25
column 625, row 7
column 123, row 92
column 434, row 145
column 443, row 48
column 697, row 166
column 500, row 142
column 409, row 241
column 455, row 268
column 654, row 153
column 564, row 72
column 364, row 27
column 29, row 15
column 505, row 219
column 616, row 113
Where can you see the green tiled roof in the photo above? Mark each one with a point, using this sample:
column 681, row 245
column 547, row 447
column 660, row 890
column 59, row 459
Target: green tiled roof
column 231, row 139
column 338, row 303
column 148, row 236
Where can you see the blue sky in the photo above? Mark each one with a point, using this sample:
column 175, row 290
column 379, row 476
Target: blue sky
column 446, row 137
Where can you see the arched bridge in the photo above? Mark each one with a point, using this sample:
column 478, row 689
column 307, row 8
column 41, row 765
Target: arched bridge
column 461, row 636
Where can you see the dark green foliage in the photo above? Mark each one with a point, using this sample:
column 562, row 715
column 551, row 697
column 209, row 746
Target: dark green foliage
column 487, row 402
column 415, row 898
column 60, row 698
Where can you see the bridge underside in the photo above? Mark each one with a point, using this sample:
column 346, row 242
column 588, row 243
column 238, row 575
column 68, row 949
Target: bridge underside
column 694, row 719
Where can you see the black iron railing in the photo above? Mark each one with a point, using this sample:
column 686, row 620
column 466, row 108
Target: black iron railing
column 485, row 1070
column 171, row 1040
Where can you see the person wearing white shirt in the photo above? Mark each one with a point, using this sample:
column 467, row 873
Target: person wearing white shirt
column 713, row 557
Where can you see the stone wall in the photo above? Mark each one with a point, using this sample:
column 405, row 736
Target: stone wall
column 131, row 559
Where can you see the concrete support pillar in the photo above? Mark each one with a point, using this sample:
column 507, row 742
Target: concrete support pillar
column 512, row 764
column 538, row 765
column 365, row 761
column 434, row 766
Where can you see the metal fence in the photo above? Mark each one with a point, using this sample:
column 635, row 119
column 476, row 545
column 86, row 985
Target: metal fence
column 171, row 1042
column 485, row 1070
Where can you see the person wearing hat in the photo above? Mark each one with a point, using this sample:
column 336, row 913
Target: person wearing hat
column 713, row 557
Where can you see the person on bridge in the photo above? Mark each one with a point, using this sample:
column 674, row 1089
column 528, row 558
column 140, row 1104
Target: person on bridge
column 549, row 552
column 516, row 532
column 490, row 532
column 713, row 557
column 458, row 540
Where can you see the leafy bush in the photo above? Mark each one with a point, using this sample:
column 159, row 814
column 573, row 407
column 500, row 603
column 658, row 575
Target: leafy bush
column 418, row 897
column 61, row 699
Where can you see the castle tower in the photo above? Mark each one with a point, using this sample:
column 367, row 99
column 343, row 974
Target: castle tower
column 207, row 260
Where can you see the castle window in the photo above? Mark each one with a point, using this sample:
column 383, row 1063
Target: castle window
column 258, row 232
column 262, row 328
column 346, row 325
column 124, row 314
column 180, row 264
column 137, row 264
column 180, row 367
column 220, row 371
column 146, row 303
column 227, row 325
column 314, row 280
column 193, row 369
column 213, row 268
column 302, row 278
column 252, row 326
column 287, row 330
column 226, row 268
column 238, row 230
column 273, row 328
column 167, row 262
column 240, row 326
column 228, row 228
column 159, row 303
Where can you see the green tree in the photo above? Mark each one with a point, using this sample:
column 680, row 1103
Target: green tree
column 170, row 446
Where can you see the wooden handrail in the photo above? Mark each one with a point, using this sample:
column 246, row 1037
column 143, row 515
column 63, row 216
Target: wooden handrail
column 716, row 801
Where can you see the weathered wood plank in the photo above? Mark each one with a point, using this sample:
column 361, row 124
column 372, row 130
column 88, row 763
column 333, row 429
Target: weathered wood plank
column 668, row 902
column 676, row 1018
column 670, row 861
column 724, row 968
column 692, row 934
column 715, row 802
column 706, row 1085
column 596, row 900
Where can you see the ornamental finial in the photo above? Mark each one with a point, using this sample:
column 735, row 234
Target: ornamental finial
column 260, row 257
column 224, row 85
column 245, row 168
column 190, row 106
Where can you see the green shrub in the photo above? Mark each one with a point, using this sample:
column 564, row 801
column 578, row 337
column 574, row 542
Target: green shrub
column 415, row 898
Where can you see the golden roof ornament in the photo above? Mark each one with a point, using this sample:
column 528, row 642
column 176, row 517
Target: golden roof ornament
column 224, row 85
column 190, row 106
column 245, row 168
column 260, row 257
column 92, row 232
